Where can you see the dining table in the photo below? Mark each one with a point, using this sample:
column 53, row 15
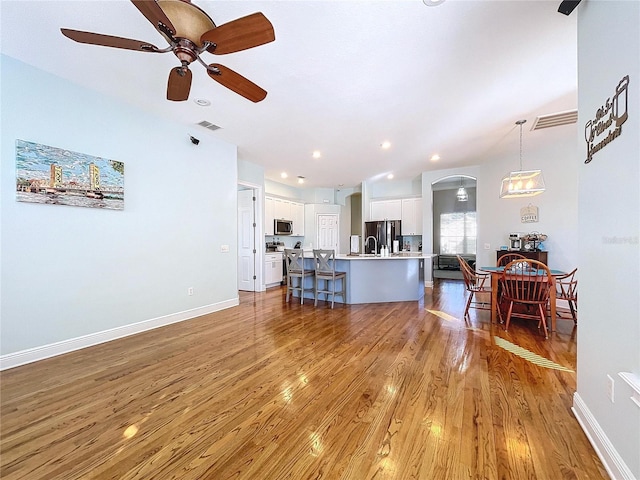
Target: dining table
column 496, row 274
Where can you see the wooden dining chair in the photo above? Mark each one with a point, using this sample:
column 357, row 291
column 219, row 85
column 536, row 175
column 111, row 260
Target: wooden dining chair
column 508, row 257
column 476, row 283
column 294, row 260
column 501, row 262
column 526, row 282
column 567, row 290
column 325, row 269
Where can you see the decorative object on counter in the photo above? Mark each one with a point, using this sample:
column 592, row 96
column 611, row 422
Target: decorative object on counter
column 523, row 183
column 529, row 214
column 533, row 240
column 354, row 244
column 515, row 241
column 275, row 246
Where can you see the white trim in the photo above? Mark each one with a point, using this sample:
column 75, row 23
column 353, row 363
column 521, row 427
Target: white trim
column 611, row 459
column 634, row 382
column 35, row 354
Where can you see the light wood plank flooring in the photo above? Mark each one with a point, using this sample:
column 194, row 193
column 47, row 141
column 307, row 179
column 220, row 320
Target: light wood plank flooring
column 271, row 390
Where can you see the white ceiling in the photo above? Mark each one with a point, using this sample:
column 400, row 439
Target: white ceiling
column 342, row 77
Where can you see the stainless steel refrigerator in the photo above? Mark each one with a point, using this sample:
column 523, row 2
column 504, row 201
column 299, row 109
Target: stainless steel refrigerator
column 385, row 232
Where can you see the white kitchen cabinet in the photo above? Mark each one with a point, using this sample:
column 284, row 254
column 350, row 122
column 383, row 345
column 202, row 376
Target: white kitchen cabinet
column 411, row 216
column 297, row 215
column 282, row 209
column 272, row 269
column 385, row 210
column 269, row 215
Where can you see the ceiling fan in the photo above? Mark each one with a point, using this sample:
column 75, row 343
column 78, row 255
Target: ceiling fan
column 190, row 32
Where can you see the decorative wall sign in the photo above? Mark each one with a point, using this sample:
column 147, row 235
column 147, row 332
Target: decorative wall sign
column 606, row 126
column 53, row 175
column 529, row 214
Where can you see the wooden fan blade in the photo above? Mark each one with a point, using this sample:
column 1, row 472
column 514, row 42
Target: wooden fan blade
column 152, row 11
column 108, row 40
column 241, row 34
column 179, row 84
column 236, row 82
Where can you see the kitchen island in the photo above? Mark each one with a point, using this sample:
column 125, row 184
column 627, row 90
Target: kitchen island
column 375, row 279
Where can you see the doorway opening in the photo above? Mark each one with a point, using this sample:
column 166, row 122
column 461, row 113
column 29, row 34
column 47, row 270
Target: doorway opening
column 454, row 224
column 249, row 273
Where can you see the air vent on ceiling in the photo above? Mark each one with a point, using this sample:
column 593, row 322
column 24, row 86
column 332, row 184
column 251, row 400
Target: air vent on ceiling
column 208, row 125
column 555, row 119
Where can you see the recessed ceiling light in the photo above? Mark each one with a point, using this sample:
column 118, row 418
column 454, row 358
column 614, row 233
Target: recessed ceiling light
column 316, row 154
column 432, row 3
column 300, row 179
column 390, row 176
column 435, row 158
column 283, row 175
column 386, row 145
column 203, row 102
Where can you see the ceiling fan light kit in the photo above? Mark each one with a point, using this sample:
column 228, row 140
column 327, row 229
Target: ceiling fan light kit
column 523, row 183
column 190, row 32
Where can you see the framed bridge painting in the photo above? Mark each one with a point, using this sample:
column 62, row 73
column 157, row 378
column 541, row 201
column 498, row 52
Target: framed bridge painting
column 57, row 176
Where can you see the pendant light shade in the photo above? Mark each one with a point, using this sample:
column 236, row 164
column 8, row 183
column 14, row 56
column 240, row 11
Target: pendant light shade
column 461, row 194
column 523, row 183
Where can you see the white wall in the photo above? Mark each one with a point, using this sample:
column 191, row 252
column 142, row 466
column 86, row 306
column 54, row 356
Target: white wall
column 69, row 272
column 608, row 234
column 498, row 217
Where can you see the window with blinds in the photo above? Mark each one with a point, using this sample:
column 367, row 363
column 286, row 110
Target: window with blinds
column 458, row 233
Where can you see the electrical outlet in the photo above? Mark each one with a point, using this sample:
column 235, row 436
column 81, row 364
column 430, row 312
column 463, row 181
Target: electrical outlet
column 610, row 388
column 190, row 291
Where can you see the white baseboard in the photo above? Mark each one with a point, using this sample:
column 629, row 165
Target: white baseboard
column 613, row 463
column 35, row 354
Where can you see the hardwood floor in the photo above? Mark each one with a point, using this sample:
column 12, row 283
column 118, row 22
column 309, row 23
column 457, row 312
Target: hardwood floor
column 270, row 390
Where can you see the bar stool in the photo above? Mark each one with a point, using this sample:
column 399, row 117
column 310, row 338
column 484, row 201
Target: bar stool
column 325, row 269
column 294, row 260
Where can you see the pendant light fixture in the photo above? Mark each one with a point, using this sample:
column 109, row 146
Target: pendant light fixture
column 523, row 183
column 462, row 195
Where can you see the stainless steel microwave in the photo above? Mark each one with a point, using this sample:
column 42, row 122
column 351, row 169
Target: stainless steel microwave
column 282, row 227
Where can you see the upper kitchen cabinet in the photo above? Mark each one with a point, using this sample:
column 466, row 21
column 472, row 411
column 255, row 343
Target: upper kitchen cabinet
column 411, row 216
column 283, row 210
column 269, row 215
column 297, row 215
column 386, row 210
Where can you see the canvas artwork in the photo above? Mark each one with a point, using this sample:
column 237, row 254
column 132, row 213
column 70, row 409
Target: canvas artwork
column 57, row 176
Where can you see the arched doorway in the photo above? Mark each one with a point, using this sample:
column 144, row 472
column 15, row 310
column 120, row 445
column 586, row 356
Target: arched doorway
column 454, row 223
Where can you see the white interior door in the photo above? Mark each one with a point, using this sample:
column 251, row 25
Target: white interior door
column 246, row 241
column 327, row 231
